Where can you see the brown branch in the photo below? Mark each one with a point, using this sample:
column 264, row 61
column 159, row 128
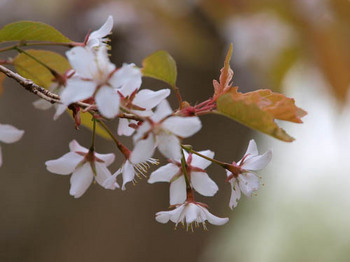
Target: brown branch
column 130, row 116
column 36, row 89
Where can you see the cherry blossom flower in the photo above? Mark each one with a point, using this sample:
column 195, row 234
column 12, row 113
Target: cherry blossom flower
column 129, row 170
column 97, row 38
column 85, row 166
column 242, row 176
column 197, row 176
column 190, row 213
column 97, row 77
column 141, row 104
column 163, row 131
column 9, row 134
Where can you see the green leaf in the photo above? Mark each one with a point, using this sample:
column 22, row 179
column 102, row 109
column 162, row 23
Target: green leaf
column 31, row 31
column 87, row 122
column 160, row 65
column 29, row 68
column 259, row 109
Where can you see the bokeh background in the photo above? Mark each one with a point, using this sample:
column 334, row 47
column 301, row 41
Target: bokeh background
column 297, row 47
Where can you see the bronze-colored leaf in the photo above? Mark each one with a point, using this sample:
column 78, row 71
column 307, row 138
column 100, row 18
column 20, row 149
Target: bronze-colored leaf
column 259, row 109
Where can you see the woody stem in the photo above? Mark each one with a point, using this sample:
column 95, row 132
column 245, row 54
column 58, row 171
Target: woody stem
column 123, row 149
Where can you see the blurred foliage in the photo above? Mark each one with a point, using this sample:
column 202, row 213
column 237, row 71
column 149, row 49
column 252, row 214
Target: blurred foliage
column 34, row 31
column 196, row 31
column 160, row 65
column 29, row 68
column 322, row 35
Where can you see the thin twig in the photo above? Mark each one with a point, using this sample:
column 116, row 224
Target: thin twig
column 36, row 89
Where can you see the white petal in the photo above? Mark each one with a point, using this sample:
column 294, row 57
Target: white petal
column 64, row 165
column 59, row 111
column 177, row 214
column 178, row 191
column 107, row 101
column 111, row 182
column 192, row 213
column 169, row 145
column 123, row 127
column 128, row 78
column 143, row 150
column 103, row 31
column 128, row 173
column 104, row 65
column 173, row 215
column 75, row 147
column 107, row 158
column 77, row 90
column 148, row 99
column 103, row 176
column 93, row 42
column 235, row 193
column 42, row 104
column 203, row 184
column 214, row 220
column 257, row 162
column 201, row 162
column 80, row 180
column 10, row 134
column 141, row 131
column 164, row 173
column 182, row 126
column 248, row 183
column 143, row 113
column 252, row 148
column 163, row 216
column 163, row 110
column 83, row 61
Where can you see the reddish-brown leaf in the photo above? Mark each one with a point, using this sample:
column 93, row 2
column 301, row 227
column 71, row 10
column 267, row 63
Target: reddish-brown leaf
column 225, row 77
column 259, row 109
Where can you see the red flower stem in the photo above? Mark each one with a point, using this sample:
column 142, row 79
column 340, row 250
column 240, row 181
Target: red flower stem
column 123, row 149
column 184, row 170
column 130, row 116
column 178, row 95
column 92, row 148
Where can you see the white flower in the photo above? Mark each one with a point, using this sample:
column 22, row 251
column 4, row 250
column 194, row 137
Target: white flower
column 197, row 176
column 140, row 104
column 242, row 176
column 85, row 165
column 190, row 213
column 97, row 77
column 9, row 134
column 97, row 38
column 129, row 170
column 163, row 131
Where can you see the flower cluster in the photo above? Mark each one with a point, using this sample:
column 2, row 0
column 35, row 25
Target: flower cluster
column 96, row 86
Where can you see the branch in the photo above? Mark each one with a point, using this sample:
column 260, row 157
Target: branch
column 36, row 89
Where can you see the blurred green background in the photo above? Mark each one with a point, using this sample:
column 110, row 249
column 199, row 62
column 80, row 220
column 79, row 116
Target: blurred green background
column 297, row 47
